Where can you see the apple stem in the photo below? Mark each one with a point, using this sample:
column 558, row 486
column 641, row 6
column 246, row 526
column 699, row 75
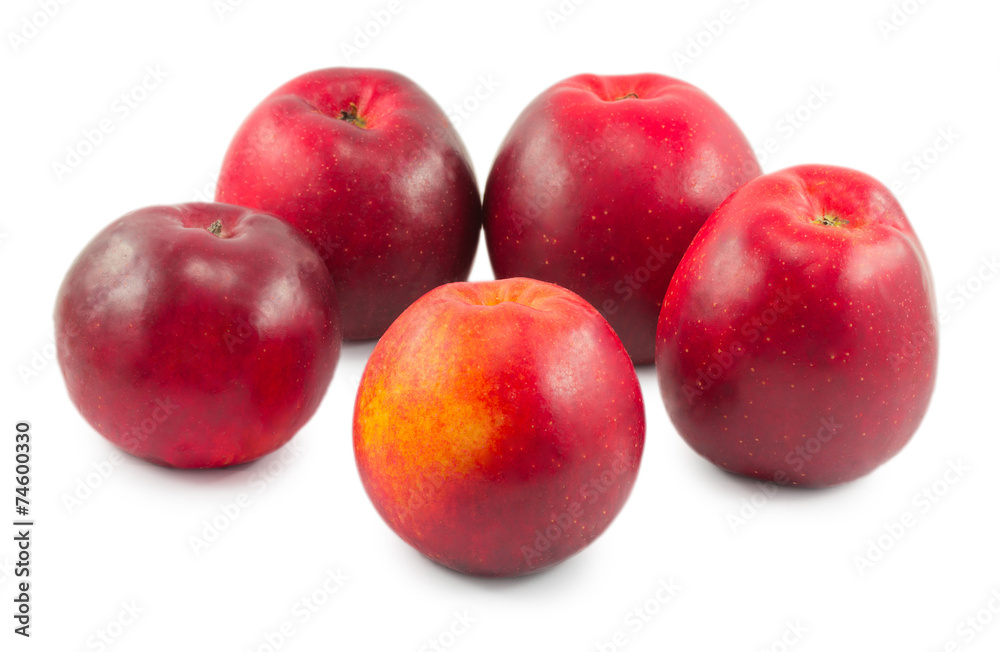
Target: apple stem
column 617, row 99
column 215, row 228
column 831, row 220
column 351, row 115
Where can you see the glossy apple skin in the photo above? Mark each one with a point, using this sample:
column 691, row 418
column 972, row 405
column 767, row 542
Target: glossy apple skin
column 393, row 207
column 782, row 347
column 484, row 418
column 196, row 350
column 603, row 196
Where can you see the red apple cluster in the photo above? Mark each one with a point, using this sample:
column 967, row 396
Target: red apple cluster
column 499, row 426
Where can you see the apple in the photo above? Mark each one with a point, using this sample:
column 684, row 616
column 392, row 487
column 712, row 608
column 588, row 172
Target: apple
column 600, row 186
column 369, row 168
column 798, row 340
column 197, row 335
column 499, row 426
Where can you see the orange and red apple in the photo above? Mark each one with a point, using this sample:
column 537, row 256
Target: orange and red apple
column 499, row 426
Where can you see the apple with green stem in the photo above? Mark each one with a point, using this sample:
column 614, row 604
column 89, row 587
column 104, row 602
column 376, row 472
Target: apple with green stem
column 367, row 166
column 798, row 340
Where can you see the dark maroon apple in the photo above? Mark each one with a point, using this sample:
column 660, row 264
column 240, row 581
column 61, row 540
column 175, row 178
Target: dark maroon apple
column 602, row 183
column 197, row 335
column 369, row 168
column 798, row 339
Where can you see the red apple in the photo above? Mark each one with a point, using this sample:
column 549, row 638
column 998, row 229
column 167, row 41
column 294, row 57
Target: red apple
column 368, row 167
column 197, row 335
column 499, row 426
column 602, row 183
column 797, row 342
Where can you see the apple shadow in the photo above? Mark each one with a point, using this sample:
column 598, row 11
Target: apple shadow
column 553, row 577
column 646, row 373
column 742, row 485
column 201, row 477
column 357, row 351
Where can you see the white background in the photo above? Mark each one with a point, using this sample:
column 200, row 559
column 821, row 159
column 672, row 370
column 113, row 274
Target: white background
column 794, row 559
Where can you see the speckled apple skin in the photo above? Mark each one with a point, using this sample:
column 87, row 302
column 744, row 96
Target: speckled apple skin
column 601, row 184
column 195, row 350
column 393, row 206
column 831, row 330
column 485, row 416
